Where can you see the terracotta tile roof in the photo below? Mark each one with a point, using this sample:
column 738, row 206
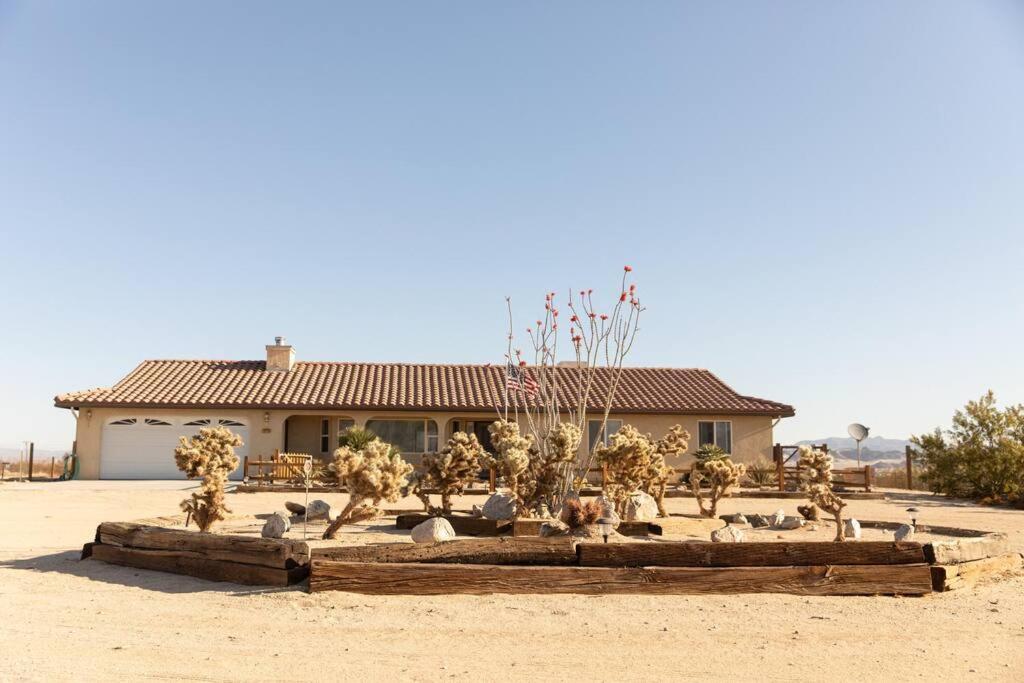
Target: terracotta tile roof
column 396, row 386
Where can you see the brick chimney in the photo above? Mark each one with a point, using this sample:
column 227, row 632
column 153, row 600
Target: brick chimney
column 280, row 356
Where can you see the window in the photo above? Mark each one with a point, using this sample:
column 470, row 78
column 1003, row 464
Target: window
column 410, row 436
column 198, row 423
column 477, row 427
column 231, row 423
column 126, row 421
column 594, row 429
column 325, row 434
column 716, row 433
column 343, row 424
column 157, row 423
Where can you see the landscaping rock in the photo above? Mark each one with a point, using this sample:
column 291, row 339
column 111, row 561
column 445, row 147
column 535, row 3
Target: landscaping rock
column 810, row 512
column 641, row 507
column 433, row 530
column 758, row 521
column 318, row 509
column 738, row 518
column 295, row 508
column 554, row 527
column 905, row 532
column 727, row 534
column 500, row 506
column 608, row 511
column 275, row 526
column 791, row 522
column 852, row 529
column 476, row 511
column 776, row 519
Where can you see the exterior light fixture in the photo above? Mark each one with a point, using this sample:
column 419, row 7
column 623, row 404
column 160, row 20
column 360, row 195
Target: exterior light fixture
column 913, row 512
column 266, row 418
column 606, row 526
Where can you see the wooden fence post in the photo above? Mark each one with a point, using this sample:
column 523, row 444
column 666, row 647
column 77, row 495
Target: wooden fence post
column 779, row 467
column 53, row 461
column 245, row 468
column 3, row 466
column 492, row 480
column 31, row 458
column 910, row 468
column 867, row 478
column 604, row 476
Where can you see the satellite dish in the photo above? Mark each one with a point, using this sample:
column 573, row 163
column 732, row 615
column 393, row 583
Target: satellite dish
column 859, row 432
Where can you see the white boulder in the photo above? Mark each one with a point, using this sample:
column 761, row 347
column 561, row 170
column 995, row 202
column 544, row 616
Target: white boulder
column 905, row 532
column 727, row 534
column 790, row 522
column 500, row 506
column 776, row 519
column 318, row 509
column 851, row 529
column 433, row 530
column 641, row 507
column 276, row 525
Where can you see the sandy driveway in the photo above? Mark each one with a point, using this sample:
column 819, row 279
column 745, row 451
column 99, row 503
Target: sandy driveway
column 62, row 619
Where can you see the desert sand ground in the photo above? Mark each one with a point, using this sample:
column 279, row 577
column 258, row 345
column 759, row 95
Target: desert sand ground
column 62, row 619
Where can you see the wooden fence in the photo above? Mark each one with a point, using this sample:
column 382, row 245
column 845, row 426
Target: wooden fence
column 282, row 467
column 788, row 476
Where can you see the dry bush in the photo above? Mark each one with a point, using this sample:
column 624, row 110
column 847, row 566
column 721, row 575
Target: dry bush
column 762, row 472
column 451, row 470
column 721, row 474
column 210, row 454
column 816, row 480
column 576, row 514
column 373, row 473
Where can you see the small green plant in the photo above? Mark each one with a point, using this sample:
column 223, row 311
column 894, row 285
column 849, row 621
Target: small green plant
column 210, row 454
column 356, row 438
column 762, row 472
column 709, row 451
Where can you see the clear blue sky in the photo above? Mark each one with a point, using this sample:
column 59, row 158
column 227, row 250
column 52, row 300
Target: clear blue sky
column 822, row 202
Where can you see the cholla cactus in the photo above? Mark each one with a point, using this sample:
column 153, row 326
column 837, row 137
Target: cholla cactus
column 658, row 472
column 450, row 470
column 373, row 473
column 210, row 455
column 550, row 468
column 576, row 514
column 629, row 461
column 816, row 479
column 722, row 474
column 511, row 460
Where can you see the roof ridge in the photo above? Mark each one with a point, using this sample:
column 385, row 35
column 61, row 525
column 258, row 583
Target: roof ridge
column 404, row 364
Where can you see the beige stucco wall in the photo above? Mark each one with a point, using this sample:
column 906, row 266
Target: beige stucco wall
column 752, row 436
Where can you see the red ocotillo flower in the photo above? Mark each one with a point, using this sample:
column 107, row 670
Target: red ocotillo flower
column 628, row 269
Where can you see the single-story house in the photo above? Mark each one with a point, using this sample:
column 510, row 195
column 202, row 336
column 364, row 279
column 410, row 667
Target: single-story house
column 129, row 430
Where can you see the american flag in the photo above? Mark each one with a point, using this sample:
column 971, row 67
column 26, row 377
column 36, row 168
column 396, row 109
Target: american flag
column 517, row 379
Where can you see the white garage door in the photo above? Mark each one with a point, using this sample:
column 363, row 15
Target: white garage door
column 143, row 447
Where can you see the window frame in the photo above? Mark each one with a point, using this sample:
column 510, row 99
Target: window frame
column 338, row 429
column 714, row 434
column 325, row 434
column 427, row 436
column 607, row 431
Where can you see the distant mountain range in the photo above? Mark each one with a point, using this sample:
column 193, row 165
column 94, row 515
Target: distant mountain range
column 874, row 450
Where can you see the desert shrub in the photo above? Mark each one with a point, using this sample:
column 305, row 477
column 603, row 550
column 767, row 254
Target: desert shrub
column 356, row 438
column 210, row 454
column 720, row 474
column 576, row 514
column 762, row 472
column 816, row 479
column 980, row 456
column 708, row 452
column 373, row 473
column 451, row 470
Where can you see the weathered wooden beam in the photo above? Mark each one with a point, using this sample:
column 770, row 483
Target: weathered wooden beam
column 269, row 552
column 966, row 549
column 470, row 526
column 500, row 550
column 445, row 579
column 192, row 564
column 953, row 576
column 531, row 527
column 758, row 554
